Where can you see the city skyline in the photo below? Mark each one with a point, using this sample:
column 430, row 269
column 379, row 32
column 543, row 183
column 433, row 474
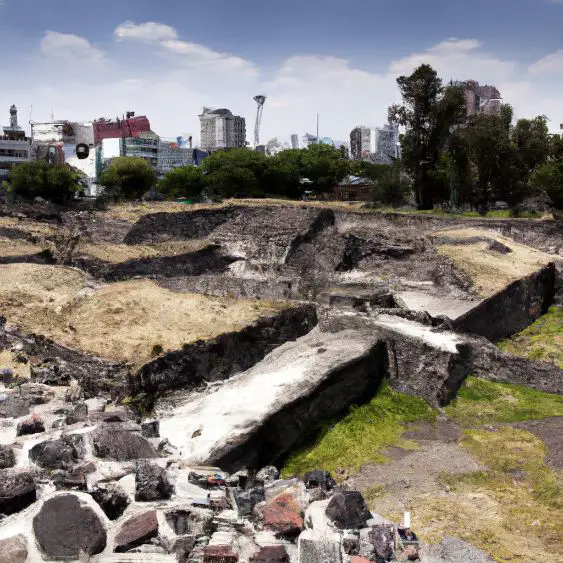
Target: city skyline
column 167, row 65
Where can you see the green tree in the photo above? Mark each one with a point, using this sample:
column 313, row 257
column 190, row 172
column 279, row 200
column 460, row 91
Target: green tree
column 549, row 177
column 392, row 185
column 324, row 166
column 127, row 178
column 186, row 181
column 531, row 137
column 283, row 174
column 428, row 112
column 235, row 172
column 41, row 179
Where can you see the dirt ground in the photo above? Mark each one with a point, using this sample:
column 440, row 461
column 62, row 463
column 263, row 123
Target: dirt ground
column 392, row 487
column 117, row 253
column 550, row 431
column 489, row 270
column 122, row 321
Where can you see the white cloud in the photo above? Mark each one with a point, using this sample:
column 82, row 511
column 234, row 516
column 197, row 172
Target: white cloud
column 170, row 80
column 147, row 32
column 67, row 45
column 552, row 63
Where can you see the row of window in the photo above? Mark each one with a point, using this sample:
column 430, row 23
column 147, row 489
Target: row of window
column 14, row 153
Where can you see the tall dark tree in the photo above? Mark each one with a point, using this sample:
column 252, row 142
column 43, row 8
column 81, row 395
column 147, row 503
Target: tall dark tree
column 428, row 112
column 531, row 137
column 127, row 178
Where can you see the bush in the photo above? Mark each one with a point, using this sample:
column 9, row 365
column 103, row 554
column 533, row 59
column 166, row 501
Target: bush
column 186, row 181
column 41, row 179
column 127, row 178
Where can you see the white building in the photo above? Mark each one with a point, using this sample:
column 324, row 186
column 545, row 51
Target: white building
column 15, row 147
column 360, row 143
column 170, row 156
column 387, row 143
column 220, row 129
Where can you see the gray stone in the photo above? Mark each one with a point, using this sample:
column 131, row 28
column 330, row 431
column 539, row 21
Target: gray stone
column 319, row 548
column 13, row 550
column 348, row 510
column 112, row 499
column 79, row 413
column 247, row 500
column 150, row 429
column 136, row 530
column 66, row 525
column 121, row 443
column 151, row 483
column 17, row 490
column 33, row 425
column 267, row 474
column 7, row 457
column 59, row 454
column 12, row 406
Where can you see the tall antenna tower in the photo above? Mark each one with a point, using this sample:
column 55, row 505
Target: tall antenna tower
column 260, row 99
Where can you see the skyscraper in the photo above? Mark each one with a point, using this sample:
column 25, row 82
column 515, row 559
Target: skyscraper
column 360, row 141
column 220, row 129
column 386, row 143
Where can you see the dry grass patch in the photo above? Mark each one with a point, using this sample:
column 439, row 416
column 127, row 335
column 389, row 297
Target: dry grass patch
column 14, row 247
column 28, row 226
column 512, row 510
column 122, row 321
column 117, row 253
column 542, row 340
column 491, row 271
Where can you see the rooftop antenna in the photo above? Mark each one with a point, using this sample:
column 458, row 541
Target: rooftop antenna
column 260, row 99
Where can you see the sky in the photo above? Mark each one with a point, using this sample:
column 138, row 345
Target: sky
column 167, row 59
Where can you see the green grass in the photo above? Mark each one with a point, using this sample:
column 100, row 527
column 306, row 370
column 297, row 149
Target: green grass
column 542, row 340
column 360, row 436
column 439, row 212
column 482, row 402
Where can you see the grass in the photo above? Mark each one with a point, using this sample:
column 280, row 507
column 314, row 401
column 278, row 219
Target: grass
column 360, row 436
column 511, row 509
column 484, row 402
column 542, row 340
column 490, row 271
column 119, row 321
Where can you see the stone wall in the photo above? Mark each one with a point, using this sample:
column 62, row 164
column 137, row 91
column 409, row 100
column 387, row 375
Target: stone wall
column 511, row 310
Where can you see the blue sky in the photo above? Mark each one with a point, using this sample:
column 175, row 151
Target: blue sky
column 167, row 58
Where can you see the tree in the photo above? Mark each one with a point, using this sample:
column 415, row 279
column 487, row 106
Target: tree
column 549, row 177
column 235, row 172
column 531, row 137
column 324, row 166
column 128, row 178
column 391, row 184
column 186, row 181
column 41, row 179
column 428, row 112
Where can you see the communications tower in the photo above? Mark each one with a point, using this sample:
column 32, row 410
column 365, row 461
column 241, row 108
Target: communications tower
column 260, row 99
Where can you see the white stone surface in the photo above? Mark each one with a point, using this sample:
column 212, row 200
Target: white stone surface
column 200, row 424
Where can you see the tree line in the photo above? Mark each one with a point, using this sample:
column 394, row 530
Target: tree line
column 448, row 159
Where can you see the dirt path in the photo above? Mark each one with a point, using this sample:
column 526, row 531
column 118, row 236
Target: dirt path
column 550, row 431
column 391, row 487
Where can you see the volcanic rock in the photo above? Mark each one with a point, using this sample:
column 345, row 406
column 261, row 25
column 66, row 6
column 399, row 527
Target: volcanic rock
column 113, row 500
column 152, row 483
column 7, row 457
column 14, row 549
column 283, row 515
column 267, row 474
column 150, row 429
column 270, row 554
column 247, row 500
column 33, row 425
column 136, row 530
column 12, row 406
column 59, row 454
column 66, row 525
column 120, row 443
column 348, row 510
column 79, row 413
column 17, row 490
column 319, row 479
